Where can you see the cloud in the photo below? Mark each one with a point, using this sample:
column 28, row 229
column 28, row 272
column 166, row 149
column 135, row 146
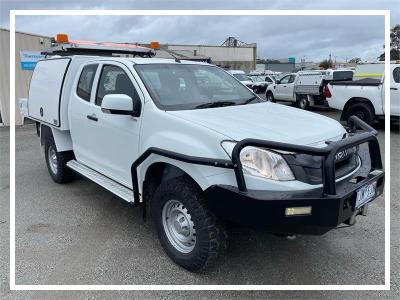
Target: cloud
column 276, row 37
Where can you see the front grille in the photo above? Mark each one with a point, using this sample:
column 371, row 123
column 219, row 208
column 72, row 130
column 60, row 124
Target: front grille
column 308, row 169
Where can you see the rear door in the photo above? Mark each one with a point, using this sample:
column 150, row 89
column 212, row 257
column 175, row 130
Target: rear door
column 395, row 92
column 81, row 107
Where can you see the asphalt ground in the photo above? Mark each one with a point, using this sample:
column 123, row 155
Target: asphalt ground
column 79, row 233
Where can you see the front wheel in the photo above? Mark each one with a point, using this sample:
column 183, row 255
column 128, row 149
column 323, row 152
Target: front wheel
column 270, row 97
column 189, row 233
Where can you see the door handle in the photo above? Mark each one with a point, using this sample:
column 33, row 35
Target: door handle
column 285, row 86
column 395, row 89
column 92, row 117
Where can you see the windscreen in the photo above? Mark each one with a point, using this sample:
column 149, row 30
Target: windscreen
column 187, row 86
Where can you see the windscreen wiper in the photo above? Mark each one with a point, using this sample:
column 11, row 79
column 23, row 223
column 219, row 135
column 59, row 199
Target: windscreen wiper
column 216, row 104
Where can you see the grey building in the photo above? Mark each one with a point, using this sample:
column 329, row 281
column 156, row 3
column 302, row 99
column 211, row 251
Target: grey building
column 23, row 42
column 280, row 67
column 239, row 57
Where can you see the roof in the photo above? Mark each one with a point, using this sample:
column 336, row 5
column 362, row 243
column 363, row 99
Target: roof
column 138, row 60
column 236, row 72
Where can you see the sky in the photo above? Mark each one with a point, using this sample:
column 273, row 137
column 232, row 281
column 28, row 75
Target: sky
column 312, row 38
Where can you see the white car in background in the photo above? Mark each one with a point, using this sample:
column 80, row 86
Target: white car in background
column 365, row 98
column 261, row 82
column 305, row 88
column 242, row 77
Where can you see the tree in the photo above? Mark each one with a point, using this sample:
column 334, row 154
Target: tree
column 355, row 60
column 394, row 44
column 326, row 64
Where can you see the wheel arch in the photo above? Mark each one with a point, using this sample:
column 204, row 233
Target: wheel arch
column 62, row 138
column 353, row 101
column 158, row 172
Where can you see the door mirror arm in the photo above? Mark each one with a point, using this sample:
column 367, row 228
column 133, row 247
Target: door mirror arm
column 137, row 108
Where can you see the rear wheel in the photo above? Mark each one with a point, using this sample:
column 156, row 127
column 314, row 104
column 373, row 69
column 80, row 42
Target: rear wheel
column 363, row 111
column 57, row 162
column 302, row 102
column 189, row 233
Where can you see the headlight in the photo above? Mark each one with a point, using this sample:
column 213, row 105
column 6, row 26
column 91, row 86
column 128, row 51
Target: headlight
column 261, row 163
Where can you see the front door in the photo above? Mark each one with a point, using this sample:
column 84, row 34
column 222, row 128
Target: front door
column 289, row 89
column 110, row 142
column 281, row 87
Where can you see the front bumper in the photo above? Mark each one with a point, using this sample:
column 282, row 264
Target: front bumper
column 266, row 209
column 331, row 204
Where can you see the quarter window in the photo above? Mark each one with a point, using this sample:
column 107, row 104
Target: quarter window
column 396, row 75
column 85, row 82
column 113, row 80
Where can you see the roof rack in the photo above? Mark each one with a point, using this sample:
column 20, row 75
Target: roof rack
column 64, row 47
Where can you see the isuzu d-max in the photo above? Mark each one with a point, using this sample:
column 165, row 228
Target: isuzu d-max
column 196, row 148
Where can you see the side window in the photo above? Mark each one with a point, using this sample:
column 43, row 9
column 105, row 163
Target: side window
column 267, row 79
column 396, row 75
column 85, row 83
column 114, row 80
column 285, row 79
column 292, row 77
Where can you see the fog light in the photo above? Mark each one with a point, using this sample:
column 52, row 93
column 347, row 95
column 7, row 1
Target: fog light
column 298, row 211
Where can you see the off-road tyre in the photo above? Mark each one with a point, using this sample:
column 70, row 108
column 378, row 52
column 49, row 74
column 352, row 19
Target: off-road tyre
column 211, row 234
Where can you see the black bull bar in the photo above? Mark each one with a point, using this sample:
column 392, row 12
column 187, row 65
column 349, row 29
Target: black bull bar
column 328, row 154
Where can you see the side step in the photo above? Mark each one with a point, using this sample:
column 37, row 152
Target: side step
column 107, row 183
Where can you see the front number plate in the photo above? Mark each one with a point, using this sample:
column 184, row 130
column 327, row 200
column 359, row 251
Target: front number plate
column 365, row 194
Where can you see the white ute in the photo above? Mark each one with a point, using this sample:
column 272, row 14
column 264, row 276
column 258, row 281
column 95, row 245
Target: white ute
column 365, row 98
column 305, row 88
column 193, row 145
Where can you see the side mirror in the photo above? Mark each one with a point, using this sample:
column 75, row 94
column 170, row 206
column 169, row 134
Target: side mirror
column 120, row 104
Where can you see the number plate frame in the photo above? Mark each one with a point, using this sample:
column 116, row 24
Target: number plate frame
column 365, row 194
